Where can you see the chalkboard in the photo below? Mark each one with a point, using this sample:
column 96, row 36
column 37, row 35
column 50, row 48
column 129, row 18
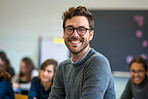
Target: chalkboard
column 120, row 36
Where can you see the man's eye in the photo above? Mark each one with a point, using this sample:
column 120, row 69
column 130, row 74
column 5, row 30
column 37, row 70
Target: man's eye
column 69, row 29
column 81, row 29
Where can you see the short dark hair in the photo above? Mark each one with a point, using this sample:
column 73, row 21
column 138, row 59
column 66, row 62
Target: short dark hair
column 79, row 11
column 139, row 59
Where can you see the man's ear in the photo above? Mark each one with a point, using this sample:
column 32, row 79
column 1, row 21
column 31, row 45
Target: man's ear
column 91, row 34
column 63, row 33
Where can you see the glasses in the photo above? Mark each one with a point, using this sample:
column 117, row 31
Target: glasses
column 80, row 30
column 140, row 72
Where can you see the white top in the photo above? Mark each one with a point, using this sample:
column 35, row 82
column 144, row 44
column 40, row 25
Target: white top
column 25, row 86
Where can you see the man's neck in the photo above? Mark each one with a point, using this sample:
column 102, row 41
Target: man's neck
column 76, row 57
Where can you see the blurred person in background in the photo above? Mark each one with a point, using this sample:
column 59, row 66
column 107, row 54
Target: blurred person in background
column 6, row 90
column 41, row 85
column 6, row 63
column 22, row 80
column 137, row 85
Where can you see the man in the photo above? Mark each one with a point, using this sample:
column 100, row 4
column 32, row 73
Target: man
column 87, row 74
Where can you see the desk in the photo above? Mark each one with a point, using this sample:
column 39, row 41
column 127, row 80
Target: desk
column 19, row 96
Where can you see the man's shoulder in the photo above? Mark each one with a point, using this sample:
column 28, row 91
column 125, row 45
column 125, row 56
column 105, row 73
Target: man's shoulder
column 97, row 54
column 98, row 57
column 67, row 61
column 99, row 62
column 63, row 66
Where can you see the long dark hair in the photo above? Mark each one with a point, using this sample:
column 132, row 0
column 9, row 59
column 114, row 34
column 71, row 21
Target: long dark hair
column 29, row 66
column 4, row 59
column 4, row 74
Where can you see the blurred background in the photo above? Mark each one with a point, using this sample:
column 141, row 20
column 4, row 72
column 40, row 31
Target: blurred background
column 24, row 22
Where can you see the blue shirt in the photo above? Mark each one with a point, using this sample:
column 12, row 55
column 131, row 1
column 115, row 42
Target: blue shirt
column 37, row 90
column 6, row 90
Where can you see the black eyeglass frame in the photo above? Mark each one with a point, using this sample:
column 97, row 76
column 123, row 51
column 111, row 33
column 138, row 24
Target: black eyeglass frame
column 76, row 30
column 138, row 72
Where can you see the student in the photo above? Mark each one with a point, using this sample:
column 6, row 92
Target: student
column 41, row 85
column 6, row 90
column 87, row 74
column 137, row 86
column 5, row 62
column 27, row 72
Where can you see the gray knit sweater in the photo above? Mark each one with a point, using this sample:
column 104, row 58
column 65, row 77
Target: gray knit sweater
column 89, row 78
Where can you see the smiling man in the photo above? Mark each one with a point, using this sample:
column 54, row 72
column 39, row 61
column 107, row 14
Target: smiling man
column 87, row 74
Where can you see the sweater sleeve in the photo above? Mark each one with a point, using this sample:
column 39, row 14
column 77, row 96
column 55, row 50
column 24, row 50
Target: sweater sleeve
column 35, row 84
column 127, row 91
column 98, row 81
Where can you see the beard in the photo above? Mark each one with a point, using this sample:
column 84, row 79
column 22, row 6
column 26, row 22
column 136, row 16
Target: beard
column 81, row 48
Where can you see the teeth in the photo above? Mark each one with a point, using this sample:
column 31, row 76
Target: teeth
column 137, row 78
column 74, row 42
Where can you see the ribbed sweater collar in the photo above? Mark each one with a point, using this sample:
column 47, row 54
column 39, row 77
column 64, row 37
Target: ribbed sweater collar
column 85, row 57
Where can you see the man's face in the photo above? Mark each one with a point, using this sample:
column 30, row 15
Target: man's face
column 75, row 42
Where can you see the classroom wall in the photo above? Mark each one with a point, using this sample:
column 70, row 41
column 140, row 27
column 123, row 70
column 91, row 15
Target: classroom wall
column 22, row 22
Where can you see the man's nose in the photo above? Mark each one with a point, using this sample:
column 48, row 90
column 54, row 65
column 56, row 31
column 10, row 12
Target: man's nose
column 75, row 32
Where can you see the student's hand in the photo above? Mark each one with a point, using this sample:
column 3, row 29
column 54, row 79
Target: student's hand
column 34, row 97
column 16, row 85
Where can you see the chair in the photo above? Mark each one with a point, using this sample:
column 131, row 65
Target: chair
column 19, row 96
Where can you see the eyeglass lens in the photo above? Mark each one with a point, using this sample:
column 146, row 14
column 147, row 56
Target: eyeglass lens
column 80, row 30
column 139, row 71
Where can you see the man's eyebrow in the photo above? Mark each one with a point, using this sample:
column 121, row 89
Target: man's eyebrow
column 69, row 26
column 81, row 26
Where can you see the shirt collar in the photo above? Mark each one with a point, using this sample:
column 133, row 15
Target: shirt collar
column 81, row 58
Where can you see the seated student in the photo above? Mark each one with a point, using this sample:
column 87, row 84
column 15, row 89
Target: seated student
column 27, row 72
column 137, row 86
column 41, row 85
column 6, row 90
column 5, row 62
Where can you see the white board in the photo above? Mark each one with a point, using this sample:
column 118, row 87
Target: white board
column 53, row 48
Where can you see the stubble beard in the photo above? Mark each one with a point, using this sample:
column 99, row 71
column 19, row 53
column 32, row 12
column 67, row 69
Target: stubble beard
column 75, row 52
